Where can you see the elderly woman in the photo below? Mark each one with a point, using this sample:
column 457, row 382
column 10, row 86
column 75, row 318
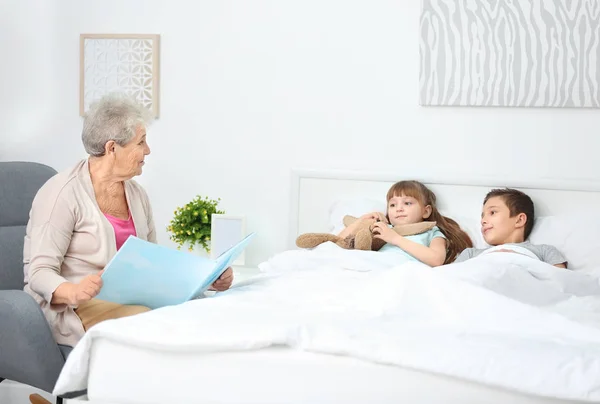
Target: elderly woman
column 82, row 216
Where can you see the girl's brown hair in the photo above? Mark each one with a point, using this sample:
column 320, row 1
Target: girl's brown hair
column 457, row 239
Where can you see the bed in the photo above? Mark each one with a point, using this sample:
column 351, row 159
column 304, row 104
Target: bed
column 281, row 337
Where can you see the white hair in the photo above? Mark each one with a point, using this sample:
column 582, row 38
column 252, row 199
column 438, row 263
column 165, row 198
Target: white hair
column 114, row 117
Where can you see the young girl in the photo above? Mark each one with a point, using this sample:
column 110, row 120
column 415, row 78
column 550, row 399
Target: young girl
column 412, row 202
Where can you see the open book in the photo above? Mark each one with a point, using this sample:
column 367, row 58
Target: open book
column 154, row 276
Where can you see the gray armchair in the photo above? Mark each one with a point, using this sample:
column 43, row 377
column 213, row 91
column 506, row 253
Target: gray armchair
column 28, row 352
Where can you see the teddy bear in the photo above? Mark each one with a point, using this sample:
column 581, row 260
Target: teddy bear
column 362, row 237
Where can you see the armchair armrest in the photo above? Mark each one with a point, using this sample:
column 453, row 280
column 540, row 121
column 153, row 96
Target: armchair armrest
column 28, row 352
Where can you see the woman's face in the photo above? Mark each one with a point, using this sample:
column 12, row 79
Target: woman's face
column 129, row 159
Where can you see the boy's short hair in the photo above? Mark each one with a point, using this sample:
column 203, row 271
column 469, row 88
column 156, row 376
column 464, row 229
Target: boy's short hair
column 517, row 202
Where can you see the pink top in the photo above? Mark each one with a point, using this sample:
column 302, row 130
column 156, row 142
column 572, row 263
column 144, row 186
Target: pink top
column 123, row 228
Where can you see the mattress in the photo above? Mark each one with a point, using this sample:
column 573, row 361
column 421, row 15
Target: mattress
column 129, row 374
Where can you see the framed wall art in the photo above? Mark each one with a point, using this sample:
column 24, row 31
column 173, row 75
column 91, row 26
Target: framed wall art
column 504, row 53
column 126, row 63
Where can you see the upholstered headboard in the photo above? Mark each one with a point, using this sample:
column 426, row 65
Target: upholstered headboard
column 314, row 193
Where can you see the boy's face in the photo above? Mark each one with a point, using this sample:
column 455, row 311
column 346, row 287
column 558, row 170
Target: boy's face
column 498, row 227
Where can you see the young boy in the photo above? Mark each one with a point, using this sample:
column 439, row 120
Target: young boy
column 507, row 218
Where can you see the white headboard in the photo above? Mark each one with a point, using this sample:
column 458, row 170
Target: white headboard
column 314, row 192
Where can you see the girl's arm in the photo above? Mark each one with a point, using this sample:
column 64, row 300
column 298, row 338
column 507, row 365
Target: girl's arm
column 434, row 255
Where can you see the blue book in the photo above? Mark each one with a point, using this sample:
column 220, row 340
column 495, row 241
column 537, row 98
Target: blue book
column 151, row 275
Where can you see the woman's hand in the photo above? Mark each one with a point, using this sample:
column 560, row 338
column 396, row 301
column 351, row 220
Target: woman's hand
column 87, row 289
column 382, row 231
column 375, row 215
column 77, row 293
column 224, row 282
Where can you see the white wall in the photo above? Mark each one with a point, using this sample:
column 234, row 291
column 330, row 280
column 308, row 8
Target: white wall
column 251, row 89
column 28, row 91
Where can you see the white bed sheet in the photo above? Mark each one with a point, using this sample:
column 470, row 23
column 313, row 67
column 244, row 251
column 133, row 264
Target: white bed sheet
column 503, row 319
column 275, row 375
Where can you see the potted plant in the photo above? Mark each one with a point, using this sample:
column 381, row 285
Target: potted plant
column 191, row 223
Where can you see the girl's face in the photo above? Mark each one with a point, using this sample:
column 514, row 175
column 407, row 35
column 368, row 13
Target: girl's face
column 404, row 209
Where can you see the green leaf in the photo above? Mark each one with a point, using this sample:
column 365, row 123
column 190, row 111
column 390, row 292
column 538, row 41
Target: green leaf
column 195, row 217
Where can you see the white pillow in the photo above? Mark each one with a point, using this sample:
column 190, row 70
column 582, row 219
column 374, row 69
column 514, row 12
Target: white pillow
column 472, row 226
column 354, row 207
column 577, row 236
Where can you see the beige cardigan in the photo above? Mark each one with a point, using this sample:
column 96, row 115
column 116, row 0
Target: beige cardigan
column 68, row 238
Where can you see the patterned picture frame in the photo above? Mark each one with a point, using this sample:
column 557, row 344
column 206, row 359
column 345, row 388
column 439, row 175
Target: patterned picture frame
column 126, row 63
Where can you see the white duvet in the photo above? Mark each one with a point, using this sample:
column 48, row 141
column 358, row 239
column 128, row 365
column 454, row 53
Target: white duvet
column 503, row 319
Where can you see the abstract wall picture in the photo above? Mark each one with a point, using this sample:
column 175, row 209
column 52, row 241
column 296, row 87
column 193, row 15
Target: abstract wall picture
column 514, row 53
column 119, row 63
